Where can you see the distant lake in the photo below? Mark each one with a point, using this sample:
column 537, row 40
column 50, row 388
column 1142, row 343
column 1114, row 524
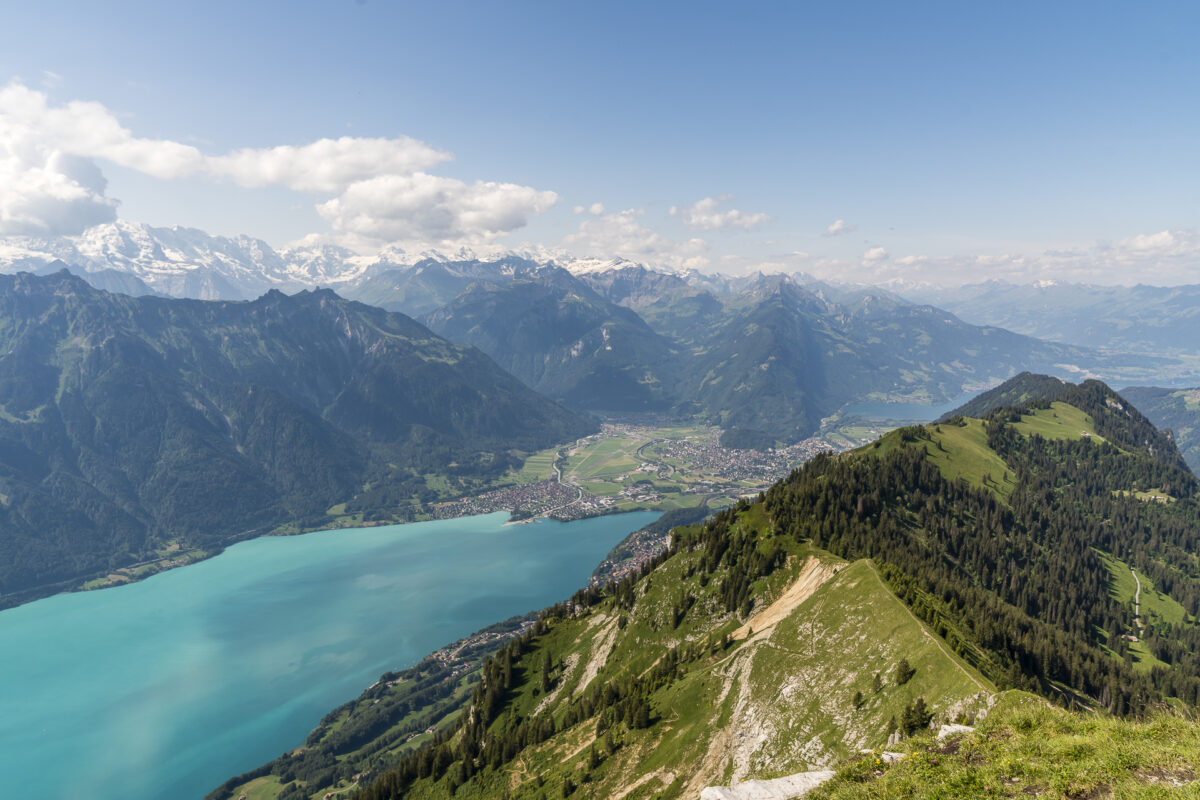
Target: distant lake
column 165, row 688
column 911, row 412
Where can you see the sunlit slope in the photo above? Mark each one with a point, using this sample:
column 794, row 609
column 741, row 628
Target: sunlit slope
column 959, row 450
column 1026, row 748
column 683, row 680
column 987, row 555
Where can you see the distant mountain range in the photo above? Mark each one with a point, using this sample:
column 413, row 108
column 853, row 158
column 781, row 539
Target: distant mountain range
column 131, row 424
column 767, row 357
column 1142, row 319
column 185, row 262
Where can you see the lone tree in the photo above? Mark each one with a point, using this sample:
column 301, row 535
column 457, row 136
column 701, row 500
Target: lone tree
column 916, row 716
column 904, row 672
column 546, row 667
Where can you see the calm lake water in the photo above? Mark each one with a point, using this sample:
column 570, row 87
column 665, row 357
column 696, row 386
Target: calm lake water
column 165, row 688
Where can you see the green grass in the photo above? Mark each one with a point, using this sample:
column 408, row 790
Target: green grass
column 267, row 787
column 959, row 451
column 538, row 467
column 1025, row 748
column 1155, row 606
column 1191, row 398
column 1154, row 603
column 438, row 483
column 1059, row 421
column 797, row 680
column 1121, row 586
column 964, row 453
column 1143, row 659
column 1149, row 495
column 848, row 630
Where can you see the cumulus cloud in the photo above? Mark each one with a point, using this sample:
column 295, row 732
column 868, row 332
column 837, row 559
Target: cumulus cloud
column 874, row 254
column 50, row 183
column 595, row 209
column 623, row 234
column 432, row 208
column 326, row 165
column 51, row 194
column 45, row 190
column 89, row 130
column 705, row 215
column 838, row 227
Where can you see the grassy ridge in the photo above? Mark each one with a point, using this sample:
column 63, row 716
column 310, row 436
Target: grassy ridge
column 958, row 449
column 798, row 693
column 1059, row 421
column 747, row 651
column 1026, row 748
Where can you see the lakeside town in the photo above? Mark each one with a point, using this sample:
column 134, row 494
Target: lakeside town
column 628, row 467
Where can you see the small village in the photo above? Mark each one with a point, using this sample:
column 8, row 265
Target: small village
column 628, row 467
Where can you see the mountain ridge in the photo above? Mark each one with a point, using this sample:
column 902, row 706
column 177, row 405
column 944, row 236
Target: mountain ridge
column 121, row 419
column 988, row 533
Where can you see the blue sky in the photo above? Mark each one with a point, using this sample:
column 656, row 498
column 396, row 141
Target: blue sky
column 954, row 141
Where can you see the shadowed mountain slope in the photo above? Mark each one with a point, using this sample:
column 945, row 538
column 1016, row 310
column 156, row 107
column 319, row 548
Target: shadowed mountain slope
column 127, row 424
column 560, row 337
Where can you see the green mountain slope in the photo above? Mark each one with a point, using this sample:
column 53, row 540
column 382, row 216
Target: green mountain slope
column 131, row 425
column 566, row 341
column 867, row 593
column 1174, row 409
column 687, row 676
column 1023, row 388
column 1105, row 413
column 1026, row 748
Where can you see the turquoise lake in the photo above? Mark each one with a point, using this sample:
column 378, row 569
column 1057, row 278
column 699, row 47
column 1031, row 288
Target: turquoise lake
column 167, row 687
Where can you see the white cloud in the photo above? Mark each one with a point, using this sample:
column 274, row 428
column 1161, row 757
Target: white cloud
column 45, row 190
column 621, row 234
column 326, row 165
column 1163, row 243
column 61, row 195
column 596, row 209
column 1164, row 258
column 704, row 215
column 88, row 129
column 49, row 182
column 838, row 227
column 432, row 208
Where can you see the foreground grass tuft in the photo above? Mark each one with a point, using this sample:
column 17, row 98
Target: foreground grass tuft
column 1026, row 748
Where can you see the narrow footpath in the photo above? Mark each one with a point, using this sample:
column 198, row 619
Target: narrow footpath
column 1137, row 604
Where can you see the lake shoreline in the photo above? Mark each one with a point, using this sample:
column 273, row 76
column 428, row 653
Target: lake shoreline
column 164, row 564
column 213, row 670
